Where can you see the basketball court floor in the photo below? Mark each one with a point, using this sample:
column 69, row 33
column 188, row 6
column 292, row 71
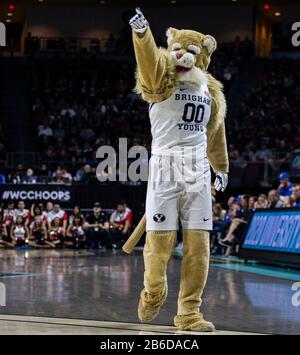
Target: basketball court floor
column 86, row 292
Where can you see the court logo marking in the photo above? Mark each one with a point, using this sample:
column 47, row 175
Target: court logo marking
column 296, row 295
column 296, row 36
column 2, row 295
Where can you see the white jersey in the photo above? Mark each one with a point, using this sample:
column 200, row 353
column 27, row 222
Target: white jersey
column 61, row 214
column 19, row 232
column 178, row 124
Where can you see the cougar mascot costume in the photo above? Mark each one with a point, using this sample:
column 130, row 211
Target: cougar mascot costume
column 187, row 110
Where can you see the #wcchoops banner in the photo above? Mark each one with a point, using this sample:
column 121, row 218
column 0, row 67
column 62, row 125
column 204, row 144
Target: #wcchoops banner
column 36, row 193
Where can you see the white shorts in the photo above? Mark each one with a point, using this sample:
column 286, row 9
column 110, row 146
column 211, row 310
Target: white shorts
column 188, row 199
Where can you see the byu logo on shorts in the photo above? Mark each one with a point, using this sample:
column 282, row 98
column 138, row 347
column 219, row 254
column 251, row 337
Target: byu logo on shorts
column 159, row 217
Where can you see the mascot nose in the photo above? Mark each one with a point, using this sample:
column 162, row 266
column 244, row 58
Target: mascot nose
column 179, row 55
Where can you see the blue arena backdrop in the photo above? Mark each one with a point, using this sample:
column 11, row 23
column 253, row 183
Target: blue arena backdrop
column 273, row 235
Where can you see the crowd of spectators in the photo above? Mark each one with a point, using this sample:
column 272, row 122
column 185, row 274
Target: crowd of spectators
column 230, row 220
column 84, row 105
column 266, row 129
column 229, row 59
column 45, row 175
column 112, row 45
column 51, row 226
column 81, row 102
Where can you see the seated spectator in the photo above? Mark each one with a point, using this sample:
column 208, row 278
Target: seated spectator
column 230, row 201
column 57, row 177
column 274, row 200
column 2, row 179
column 66, row 175
column 43, row 174
column 220, row 225
column 120, row 223
column 22, row 211
column 68, row 111
column 59, row 213
column 18, row 174
column 5, row 239
column 264, row 154
column 37, row 211
column 75, row 236
column 237, row 226
column 49, row 208
column 76, row 212
column 262, row 201
column 286, row 187
column 85, row 174
column 237, row 159
column 128, row 212
column 9, row 214
column 244, row 212
column 59, row 131
column 61, row 176
column 56, row 233
column 30, row 178
column 38, row 233
column 19, row 232
column 295, row 198
column 218, row 212
column 45, row 130
column 97, row 228
column 252, row 202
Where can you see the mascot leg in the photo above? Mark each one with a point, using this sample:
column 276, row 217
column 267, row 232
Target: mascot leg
column 194, row 271
column 157, row 251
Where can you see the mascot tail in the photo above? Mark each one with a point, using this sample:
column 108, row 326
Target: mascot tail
column 135, row 236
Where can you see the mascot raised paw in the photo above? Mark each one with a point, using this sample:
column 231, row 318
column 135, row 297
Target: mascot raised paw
column 187, row 110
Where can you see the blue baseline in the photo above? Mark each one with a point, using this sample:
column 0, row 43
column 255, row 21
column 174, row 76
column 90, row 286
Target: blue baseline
column 19, row 274
column 260, row 270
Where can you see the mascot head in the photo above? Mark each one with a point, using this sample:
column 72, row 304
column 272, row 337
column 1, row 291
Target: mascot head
column 190, row 50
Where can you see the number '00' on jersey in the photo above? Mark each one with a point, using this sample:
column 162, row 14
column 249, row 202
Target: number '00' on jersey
column 181, row 120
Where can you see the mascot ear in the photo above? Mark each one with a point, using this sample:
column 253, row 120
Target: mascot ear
column 209, row 43
column 170, row 34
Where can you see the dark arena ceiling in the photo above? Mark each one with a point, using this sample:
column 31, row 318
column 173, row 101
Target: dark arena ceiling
column 21, row 6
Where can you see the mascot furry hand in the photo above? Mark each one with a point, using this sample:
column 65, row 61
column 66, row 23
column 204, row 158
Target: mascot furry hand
column 187, row 110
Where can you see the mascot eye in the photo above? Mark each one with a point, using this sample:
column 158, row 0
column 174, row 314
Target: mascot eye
column 176, row 47
column 193, row 49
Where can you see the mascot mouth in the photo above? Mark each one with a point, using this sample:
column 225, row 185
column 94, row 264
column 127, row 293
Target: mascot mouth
column 181, row 69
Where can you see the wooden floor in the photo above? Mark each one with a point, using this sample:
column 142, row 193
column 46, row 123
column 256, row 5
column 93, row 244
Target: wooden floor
column 86, row 292
column 24, row 325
